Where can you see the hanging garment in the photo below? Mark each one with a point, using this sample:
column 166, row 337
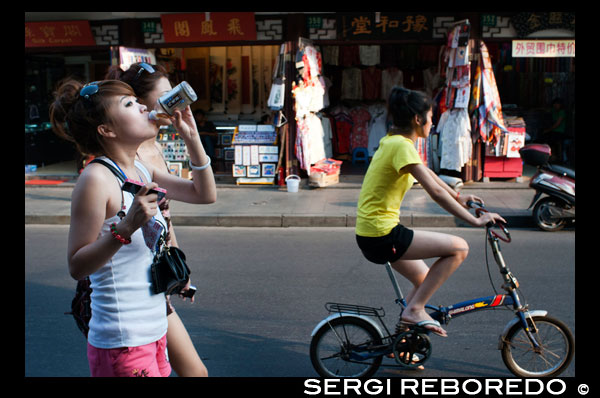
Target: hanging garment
column 391, row 55
column 377, row 126
column 360, row 127
column 310, row 141
column 349, row 55
column 327, row 135
column 352, row 84
column 334, row 138
column 369, row 55
column 421, row 147
column 331, row 55
column 390, row 77
column 491, row 122
column 308, row 97
column 413, row 79
column 326, row 83
column 343, row 130
column 455, row 139
column 371, row 81
column 313, row 63
column 315, row 149
column 432, row 80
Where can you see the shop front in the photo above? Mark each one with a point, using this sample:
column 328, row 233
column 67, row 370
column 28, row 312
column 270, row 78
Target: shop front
column 227, row 58
column 54, row 50
column 280, row 94
column 533, row 55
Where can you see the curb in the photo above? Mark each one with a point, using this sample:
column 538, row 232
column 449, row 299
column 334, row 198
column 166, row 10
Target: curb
column 296, row 220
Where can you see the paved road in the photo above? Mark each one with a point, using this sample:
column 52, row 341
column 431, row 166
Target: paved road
column 262, row 290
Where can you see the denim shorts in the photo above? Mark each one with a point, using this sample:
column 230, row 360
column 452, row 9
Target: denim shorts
column 386, row 248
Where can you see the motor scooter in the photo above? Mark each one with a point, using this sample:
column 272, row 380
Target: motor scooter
column 554, row 211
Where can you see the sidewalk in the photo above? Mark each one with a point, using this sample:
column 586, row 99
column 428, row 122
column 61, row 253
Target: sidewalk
column 273, row 206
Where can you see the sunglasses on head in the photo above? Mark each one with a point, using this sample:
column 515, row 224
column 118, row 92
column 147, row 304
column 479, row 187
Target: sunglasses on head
column 88, row 90
column 144, row 67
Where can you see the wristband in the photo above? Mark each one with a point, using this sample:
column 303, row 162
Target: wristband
column 113, row 231
column 457, row 195
column 200, row 168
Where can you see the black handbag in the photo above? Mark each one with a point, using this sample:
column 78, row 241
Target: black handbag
column 170, row 273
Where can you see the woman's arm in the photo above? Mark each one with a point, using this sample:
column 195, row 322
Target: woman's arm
column 442, row 195
column 89, row 205
column 462, row 199
column 202, row 189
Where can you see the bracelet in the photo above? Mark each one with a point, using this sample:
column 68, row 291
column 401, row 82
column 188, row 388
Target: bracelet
column 200, row 168
column 113, row 231
column 457, row 195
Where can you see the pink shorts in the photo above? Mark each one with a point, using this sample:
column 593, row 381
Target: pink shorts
column 148, row 360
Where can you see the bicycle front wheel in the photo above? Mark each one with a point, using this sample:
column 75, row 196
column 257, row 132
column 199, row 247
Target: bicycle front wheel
column 346, row 347
column 556, row 342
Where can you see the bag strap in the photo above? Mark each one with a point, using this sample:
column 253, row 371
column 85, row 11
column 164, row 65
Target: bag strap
column 120, row 177
column 111, row 168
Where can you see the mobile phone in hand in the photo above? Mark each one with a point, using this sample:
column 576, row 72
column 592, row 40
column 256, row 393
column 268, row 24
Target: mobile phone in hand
column 133, row 187
column 190, row 292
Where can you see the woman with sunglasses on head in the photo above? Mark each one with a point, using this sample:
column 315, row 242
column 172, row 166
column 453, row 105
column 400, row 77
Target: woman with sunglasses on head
column 127, row 335
column 394, row 168
column 149, row 82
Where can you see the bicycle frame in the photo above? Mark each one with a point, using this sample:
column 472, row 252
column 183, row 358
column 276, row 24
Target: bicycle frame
column 444, row 314
column 374, row 316
column 363, row 337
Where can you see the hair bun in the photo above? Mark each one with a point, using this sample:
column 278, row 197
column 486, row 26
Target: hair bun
column 114, row 73
column 65, row 97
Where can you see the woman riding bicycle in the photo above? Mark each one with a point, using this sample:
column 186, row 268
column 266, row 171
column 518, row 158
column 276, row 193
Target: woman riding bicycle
column 392, row 172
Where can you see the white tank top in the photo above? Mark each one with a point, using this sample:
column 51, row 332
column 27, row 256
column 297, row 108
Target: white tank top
column 125, row 311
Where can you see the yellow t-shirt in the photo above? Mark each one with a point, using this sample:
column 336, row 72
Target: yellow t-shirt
column 385, row 185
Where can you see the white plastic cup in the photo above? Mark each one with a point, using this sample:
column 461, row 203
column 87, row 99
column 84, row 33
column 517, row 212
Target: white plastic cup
column 292, row 181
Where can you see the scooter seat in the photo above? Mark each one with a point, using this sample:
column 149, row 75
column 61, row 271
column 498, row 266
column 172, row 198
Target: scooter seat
column 562, row 170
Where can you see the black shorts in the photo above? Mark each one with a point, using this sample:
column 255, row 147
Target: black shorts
column 386, row 248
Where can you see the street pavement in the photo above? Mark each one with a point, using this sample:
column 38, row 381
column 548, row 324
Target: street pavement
column 273, row 206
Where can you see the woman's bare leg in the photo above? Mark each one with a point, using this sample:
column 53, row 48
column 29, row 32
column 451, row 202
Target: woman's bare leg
column 182, row 354
column 451, row 251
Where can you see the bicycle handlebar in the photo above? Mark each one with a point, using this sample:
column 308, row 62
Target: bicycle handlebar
column 481, row 209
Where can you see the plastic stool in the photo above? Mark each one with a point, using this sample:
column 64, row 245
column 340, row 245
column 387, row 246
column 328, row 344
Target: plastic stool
column 360, row 154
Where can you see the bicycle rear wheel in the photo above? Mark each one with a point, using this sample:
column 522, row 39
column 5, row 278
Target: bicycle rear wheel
column 345, row 347
column 557, row 347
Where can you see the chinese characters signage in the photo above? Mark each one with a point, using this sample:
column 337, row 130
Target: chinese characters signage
column 369, row 26
column 543, row 48
column 58, row 34
column 526, row 23
column 214, row 26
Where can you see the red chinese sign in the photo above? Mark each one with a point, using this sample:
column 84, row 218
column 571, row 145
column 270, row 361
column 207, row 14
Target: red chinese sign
column 58, row 34
column 543, row 48
column 213, row 26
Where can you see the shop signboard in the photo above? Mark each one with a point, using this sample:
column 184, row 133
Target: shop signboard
column 209, row 26
column 148, row 26
column 58, row 34
column 543, row 48
column 526, row 23
column 385, row 26
column 129, row 56
column 488, row 20
column 314, row 22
